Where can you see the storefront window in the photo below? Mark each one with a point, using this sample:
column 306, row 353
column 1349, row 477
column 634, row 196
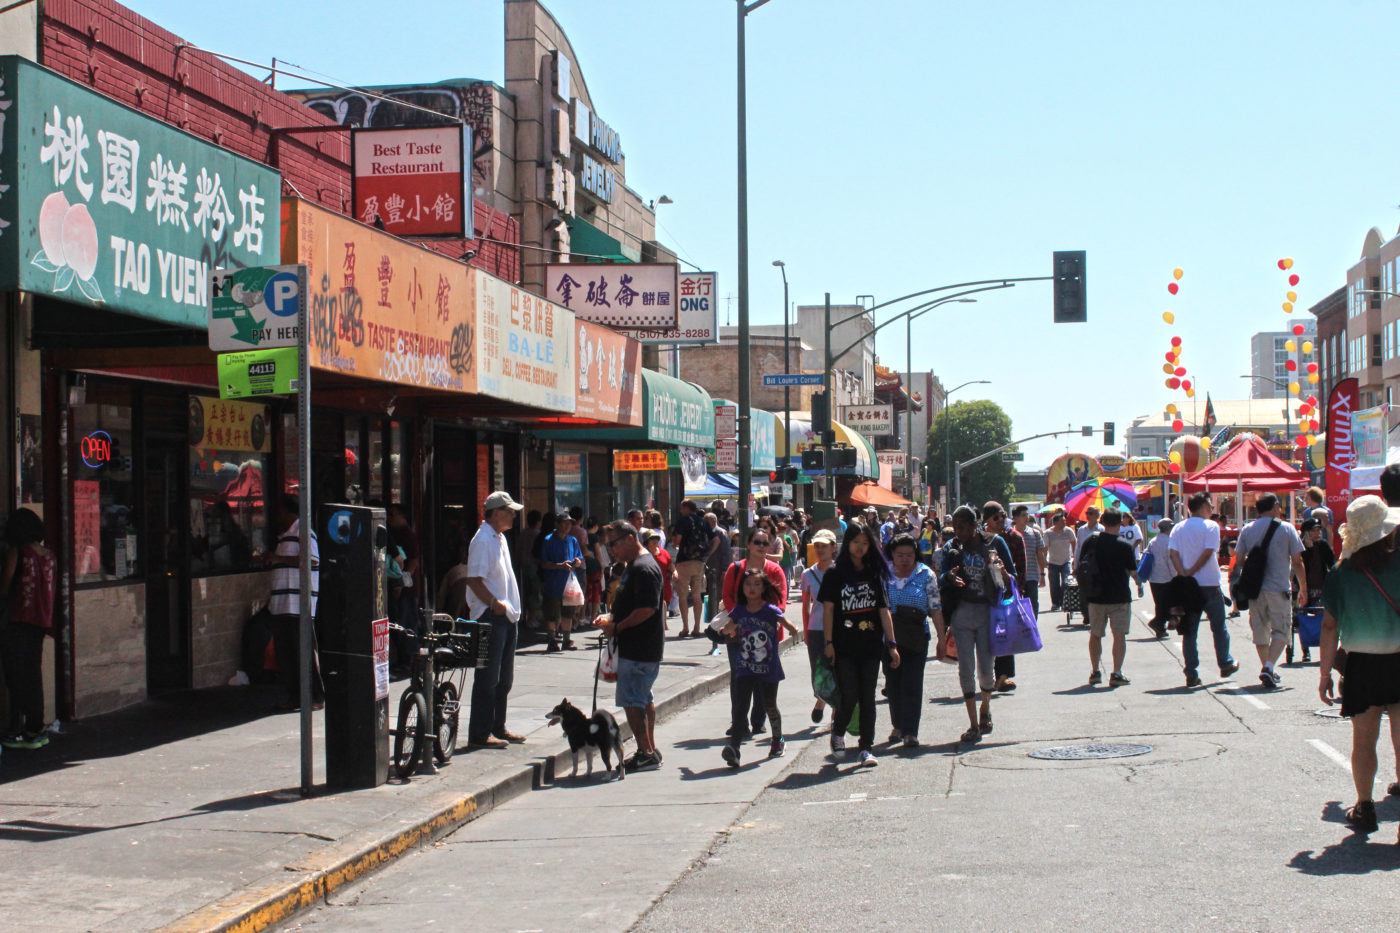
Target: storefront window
column 398, row 465
column 570, row 479
column 230, row 456
column 376, row 462
column 105, row 545
column 354, row 455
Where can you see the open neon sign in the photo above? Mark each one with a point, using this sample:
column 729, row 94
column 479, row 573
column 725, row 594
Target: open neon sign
column 96, row 449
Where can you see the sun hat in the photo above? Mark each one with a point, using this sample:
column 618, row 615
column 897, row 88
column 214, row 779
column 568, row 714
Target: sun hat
column 1369, row 520
column 500, row 499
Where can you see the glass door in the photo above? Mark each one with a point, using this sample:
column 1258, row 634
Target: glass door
column 164, row 557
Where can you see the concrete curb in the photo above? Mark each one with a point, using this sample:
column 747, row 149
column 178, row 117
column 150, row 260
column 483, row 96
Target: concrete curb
column 259, row 906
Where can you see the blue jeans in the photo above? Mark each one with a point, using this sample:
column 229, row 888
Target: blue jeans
column 1058, row 573
column 1215, row 611
column 491, row 684
column 1032, row 592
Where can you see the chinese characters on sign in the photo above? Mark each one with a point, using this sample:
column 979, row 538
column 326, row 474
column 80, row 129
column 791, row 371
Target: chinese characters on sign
column 413, row 182
column 632, row 461
column 696, row 315
column 625, row 295
column 115, row 208
column 609, row 375
column 892, row 458
column 870, row 420
column 526, row 346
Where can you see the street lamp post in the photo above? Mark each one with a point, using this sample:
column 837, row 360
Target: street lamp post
column 1287, row 415
column 787, row 368
column 953, row 483
column 909, row 373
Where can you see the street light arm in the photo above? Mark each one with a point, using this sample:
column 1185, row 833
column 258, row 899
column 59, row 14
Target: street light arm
column 964, row 464
column 914, row 312
column 1006, row 283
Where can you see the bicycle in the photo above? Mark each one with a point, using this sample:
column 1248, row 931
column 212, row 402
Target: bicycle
column 447, row 654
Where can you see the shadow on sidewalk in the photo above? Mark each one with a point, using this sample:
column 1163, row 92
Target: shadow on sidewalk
column 171, row 717
column 1356, row 854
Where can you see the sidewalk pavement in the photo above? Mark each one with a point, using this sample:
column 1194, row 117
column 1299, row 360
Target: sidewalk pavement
column 184, row 813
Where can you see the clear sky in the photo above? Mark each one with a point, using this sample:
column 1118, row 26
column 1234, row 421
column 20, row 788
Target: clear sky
column 896, row 146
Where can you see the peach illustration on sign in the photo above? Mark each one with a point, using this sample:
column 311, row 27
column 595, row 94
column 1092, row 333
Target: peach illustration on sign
column 68, row 246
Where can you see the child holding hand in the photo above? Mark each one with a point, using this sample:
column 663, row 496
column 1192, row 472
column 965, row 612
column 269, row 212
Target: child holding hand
column 754, row 665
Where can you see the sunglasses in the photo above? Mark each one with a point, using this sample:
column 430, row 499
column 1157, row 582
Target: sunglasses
column 759, row 541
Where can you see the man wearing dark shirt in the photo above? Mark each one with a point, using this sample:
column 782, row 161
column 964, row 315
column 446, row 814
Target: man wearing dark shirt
column 1110, row 605
column 638, row 624
column 994, row 521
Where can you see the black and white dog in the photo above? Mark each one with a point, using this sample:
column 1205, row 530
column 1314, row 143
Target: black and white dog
column 589, row 732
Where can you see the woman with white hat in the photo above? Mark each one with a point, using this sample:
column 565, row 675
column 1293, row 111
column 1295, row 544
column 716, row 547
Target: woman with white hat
column 1361, row 602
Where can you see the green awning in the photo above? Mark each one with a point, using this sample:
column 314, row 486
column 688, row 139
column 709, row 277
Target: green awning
column 592, row 243
column 677, row 413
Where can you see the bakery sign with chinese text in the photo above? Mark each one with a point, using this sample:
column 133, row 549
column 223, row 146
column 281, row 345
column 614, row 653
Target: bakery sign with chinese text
column 625, row 295
column 413, row 181
column 870, row 420
column 103, row 206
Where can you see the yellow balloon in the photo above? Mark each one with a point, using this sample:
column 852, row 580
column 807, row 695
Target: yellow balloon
column 1290, row 346
column 1288, row 263
column 1205, row 443
column 1171, row 408
column 1177, row 274
column 1174, row 456
column 1293, row 388
column 1190, row 393
column 1312, row 378
column 1168, row 317
column 1288, row 307
column 1168, row 368
column 1312, row 439
column 1292, row 296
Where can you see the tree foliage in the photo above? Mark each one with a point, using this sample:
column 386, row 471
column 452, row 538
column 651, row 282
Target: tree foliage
column 977, row 427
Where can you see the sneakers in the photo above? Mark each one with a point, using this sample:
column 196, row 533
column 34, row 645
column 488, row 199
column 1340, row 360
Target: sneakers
column 1096, row 677
column 1116, row 679
column 25, row 740
column 777, row 748
column 730, row 754
column 868, row 759
column 838, row 742
column 1192, row 681
column 643, row 762
column 1270, row 679
column 1229, row 668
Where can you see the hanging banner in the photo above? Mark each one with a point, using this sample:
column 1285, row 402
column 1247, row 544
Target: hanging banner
column 413, row 180
column 527, row 346
column 609, row 376
column 229, row 426
column 1341, row 449
column 625, row 295
column 1368, row 437
column 894, row 459
column 106, row 207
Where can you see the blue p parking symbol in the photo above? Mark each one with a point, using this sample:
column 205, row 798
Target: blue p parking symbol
column 280, row 296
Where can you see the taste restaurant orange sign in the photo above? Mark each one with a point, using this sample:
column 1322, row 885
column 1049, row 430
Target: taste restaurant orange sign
column 381, row 308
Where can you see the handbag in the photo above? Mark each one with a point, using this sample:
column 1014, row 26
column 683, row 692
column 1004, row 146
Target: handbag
column 950, row 646
column 1013, row 625
column 1145, row 565
column 824, row 685
column 910, row 628
column 573, row 593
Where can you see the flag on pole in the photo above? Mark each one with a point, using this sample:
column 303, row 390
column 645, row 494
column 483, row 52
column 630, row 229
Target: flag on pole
column 1209, row 424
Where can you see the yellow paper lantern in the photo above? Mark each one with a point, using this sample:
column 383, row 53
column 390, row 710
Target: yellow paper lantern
column 1288, row 264
column 1168, row 317
column 1312, row 378
column 1167, row 383
column 1290, row 346
column 1174, row 456
column 1307, row 346
column 1312, row 439
column 1293, row 388
column 1288, row 307
column 1292, row 296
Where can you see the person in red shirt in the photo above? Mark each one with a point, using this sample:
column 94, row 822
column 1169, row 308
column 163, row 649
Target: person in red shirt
column 756, row 558
column 651, row 540
column 27, row 576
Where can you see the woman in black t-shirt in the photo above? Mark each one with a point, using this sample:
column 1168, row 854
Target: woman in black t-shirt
column 859, row 631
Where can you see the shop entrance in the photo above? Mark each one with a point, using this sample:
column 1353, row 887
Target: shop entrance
column 165, row 458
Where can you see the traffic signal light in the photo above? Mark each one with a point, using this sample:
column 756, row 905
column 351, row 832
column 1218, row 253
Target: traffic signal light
column 821, row 412
column 813, row 460
column 1069, row 287
column 1108, row 433
column 791, row 474
column 843, row 458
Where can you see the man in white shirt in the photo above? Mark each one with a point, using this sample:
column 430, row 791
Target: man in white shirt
column 1085, row 531
column 1162, row 574
column 1194, row 550
column 1060, row 544
column 493, row 597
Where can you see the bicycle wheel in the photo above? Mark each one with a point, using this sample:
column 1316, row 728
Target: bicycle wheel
column 446, row 713
column 413, row 718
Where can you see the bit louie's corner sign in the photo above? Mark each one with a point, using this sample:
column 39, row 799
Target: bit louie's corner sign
column 104, row 206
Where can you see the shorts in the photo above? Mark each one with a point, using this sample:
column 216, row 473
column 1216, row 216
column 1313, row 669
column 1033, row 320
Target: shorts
column 634, row 683
column 690, row 580
column 1117, row 617
column 1270, row 617
column 553, row 609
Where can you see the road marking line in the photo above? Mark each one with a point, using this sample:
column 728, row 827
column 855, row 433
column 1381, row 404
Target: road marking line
column 1239, row 691
column 1337, row 757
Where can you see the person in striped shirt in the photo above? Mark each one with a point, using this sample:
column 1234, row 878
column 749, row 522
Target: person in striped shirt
column 285, row 603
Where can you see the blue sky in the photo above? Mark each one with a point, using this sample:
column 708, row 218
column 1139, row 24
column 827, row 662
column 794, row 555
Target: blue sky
column 897, row 146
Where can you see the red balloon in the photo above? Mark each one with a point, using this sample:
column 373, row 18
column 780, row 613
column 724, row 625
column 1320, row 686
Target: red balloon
column 1172, row 287
column 1290, row 365
column 1283, row 264
column 1186, row 383
column 1304, row 408
column 1298, row 330
column 1178, row 424
column 1171, row 357
column 1312, row 367
column 1181, row 370
column 1312, row 400
column 1173, row 383
column 1312, row 424
column 1176, row 341
column 1301, row 440
column 1173, row 468
column 1293, row 279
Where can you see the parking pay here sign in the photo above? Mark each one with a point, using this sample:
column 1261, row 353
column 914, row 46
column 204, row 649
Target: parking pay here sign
column 255, row 308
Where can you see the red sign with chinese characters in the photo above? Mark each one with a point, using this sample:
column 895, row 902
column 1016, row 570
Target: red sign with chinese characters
column 413, row 182
column 633, row 461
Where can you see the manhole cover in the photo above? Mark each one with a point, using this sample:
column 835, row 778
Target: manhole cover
column 1335, row 712
column 1090, row 752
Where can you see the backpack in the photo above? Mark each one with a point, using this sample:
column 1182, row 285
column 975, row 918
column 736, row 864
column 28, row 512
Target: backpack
column 695, row 538
column 1089, row 575
column 1251, row 581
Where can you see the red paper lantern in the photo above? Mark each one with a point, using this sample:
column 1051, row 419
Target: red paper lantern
column 1293, row 279
column 1177, row 425
column 1181, row 370
column 1304, row 408
column 1172, row 287
column 1176, row 341
column 1173, row 383
column 1312, row 400
column 1291, row 365
column 1298, row 330
column 1301, row 440
column 1312, row 424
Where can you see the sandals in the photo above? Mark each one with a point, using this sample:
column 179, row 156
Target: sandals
column 973, row 734
column 984, row 724
column 1362, row 816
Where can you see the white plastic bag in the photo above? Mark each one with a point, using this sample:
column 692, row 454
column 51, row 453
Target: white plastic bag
column 573, row 593
column 607, row 661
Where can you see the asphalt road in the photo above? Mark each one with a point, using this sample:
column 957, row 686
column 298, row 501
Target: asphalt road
column 1231, row 822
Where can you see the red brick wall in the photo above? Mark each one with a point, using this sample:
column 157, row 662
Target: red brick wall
column 115, row 51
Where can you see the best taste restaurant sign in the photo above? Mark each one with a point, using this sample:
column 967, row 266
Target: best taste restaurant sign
column 414, row 181
column 384, row 309
column 103, row 206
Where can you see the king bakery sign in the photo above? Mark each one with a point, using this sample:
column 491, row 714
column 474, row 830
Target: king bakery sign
column 103, row 206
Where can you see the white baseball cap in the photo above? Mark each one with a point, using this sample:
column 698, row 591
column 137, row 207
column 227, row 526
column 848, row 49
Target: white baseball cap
column 500, row 499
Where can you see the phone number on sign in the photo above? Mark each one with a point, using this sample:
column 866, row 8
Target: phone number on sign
column 694, row 333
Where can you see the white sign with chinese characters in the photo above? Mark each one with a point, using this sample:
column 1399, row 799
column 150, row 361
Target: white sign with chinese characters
column 870, row 420
column 622, row 295
column 696, row 317
column 894, row 459
column 527, row 346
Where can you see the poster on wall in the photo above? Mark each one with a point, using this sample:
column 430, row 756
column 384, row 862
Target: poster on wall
column 87, row 525
column 31, row 462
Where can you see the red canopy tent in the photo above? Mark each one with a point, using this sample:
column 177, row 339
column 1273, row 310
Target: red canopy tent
column 1247, row 466
column 872, row 493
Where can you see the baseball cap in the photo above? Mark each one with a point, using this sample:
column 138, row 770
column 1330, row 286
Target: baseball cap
column 500, row 499
column 563, row 517
column 825, row 536
column 649, row 534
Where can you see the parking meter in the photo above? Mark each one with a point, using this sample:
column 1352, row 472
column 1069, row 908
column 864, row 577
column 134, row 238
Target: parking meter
column 353, row 632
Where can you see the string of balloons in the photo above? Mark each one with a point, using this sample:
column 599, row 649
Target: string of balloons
column 1177, row 379
column 1308, row 423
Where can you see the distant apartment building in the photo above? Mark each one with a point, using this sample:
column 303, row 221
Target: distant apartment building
column 1269, row 356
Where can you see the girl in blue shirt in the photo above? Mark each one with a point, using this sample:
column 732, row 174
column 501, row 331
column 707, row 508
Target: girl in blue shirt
column 754, row 665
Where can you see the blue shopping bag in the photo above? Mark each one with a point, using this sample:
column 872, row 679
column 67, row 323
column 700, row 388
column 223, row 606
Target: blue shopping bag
column 1014, row 629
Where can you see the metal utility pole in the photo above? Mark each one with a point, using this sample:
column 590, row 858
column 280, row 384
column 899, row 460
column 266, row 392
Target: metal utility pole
column 948, row 441
column 909, row 372
column 787, row 368
column 960, row 465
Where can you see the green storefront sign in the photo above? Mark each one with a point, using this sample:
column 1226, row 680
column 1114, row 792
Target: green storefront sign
column 104, row 206
column 258, row 372
column 677, row 412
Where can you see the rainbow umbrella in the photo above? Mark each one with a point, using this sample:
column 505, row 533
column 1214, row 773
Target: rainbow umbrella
column 1102, row 492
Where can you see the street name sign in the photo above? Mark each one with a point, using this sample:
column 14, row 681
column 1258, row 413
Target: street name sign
column 795, row 379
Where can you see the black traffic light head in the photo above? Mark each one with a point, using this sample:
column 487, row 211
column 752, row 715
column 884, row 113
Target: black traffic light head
column 1069, row 287
column 1108, row 433
column 813, row 460
column 821, row 412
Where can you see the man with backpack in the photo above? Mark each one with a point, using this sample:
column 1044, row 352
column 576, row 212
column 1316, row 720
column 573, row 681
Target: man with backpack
column 691, row 537
column 1106, row 562
column 1272, row 553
